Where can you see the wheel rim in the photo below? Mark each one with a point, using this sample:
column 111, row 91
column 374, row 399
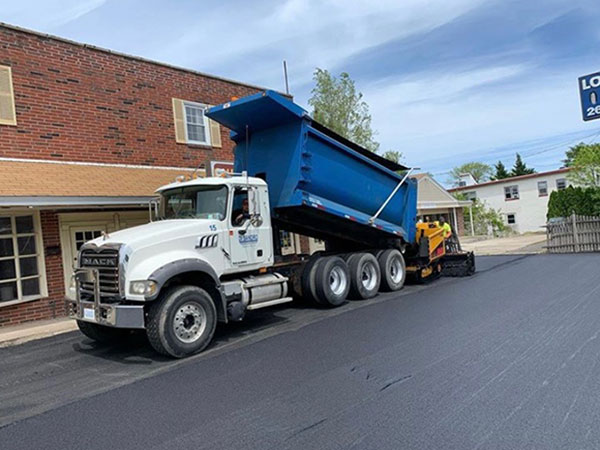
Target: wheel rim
column 338, row 281
column 189, row 322
column 369, row 276
column 396, row 271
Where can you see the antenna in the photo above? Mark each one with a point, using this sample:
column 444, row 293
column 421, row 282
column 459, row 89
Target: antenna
column 285, row 77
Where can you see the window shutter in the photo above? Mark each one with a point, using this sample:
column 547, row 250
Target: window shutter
column 179, row 119
column 215, row 134
column 7, row 101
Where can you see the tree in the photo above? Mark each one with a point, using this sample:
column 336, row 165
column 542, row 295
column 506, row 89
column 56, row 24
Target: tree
column 485, row 220
column 501, row 171
column 394, row 156
column 337, row 105
column 520, row 168
column 572, row 153
column 577, row 200
column 586, row 166
column 480, row 171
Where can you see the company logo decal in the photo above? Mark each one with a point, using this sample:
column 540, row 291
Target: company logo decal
column 98, row 262
column 248, row 238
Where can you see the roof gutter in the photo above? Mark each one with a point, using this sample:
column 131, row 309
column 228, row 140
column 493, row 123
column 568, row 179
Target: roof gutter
column 62, row 201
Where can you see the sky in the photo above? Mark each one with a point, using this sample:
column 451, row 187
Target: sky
column 446, row 82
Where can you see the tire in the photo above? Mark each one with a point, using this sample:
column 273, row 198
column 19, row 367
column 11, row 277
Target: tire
column 332, row 281
column 365, row 276
column 181, row 322
column 101, row 333
column 393, row 270
column 309, row 273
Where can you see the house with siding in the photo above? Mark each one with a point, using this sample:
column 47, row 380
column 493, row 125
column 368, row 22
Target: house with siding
column 522, row 201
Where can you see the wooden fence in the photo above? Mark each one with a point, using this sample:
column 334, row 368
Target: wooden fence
column 573, row 234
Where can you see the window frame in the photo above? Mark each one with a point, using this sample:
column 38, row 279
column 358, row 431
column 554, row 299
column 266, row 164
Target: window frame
column 511, row 191
column 12, row 122
column 40, row 257
column 545, row 193
column 564, row 180
column 204, row 107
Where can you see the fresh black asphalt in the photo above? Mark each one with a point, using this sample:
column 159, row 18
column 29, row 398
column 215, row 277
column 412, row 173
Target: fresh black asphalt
column 507, row 359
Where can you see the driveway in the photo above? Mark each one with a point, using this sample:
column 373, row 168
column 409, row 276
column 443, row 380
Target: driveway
column 519, row 244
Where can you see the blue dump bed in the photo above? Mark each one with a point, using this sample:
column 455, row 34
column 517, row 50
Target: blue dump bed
column 320, row 184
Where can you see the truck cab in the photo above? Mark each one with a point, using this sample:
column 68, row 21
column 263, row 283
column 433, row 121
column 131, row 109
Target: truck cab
column 205, row 232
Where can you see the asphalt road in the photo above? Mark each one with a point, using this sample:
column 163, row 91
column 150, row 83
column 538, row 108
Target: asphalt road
column 505, row 359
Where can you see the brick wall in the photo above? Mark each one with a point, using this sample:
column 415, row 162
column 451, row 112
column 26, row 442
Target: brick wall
column 53, row 305
column 78, row 103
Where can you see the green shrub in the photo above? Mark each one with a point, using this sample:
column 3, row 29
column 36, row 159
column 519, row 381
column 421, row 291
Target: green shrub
column 578, row 200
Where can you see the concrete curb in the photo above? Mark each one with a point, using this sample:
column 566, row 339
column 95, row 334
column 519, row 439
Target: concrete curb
column 19, row 334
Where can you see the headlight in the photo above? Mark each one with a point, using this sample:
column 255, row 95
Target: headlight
column 145, row 287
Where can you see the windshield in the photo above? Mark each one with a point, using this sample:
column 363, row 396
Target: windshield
column 198, row 202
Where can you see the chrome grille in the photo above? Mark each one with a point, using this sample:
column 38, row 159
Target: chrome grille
column 106, row 261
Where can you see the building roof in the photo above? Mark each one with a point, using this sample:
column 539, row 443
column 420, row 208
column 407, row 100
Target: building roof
column 125, row 55
column 58, row 181
column 432, row 195
column 509, row 180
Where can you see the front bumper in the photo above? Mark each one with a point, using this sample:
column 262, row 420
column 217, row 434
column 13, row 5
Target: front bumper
column 109, row 314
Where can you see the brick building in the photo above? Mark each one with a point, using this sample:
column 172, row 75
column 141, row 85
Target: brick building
column 86, row 136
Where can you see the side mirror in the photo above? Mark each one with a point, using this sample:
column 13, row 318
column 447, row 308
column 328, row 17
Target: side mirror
column 153, row 208
column 256, row 220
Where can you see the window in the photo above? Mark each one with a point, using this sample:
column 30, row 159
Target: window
column 81, row 237
column 196, row 123
column 462, row 183
column 240, row 210
column 511, row 192
column 542, row 188
column 510, row 219
column 192, row 126
column 7, row 99
column 21, row 259
column 471, row 195
column 561, row 184
column 194, row 202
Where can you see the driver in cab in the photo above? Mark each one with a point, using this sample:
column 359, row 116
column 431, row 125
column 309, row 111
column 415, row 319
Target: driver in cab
column 242, row 215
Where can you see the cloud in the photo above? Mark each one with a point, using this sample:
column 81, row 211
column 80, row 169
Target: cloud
column 48, row 15
column 446, row 81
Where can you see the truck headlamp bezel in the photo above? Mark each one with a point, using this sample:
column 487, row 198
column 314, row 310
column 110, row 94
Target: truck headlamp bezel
column 143, row 287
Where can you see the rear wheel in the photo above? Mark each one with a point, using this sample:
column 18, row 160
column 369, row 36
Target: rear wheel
column 332, row 281
column 183, row 322
column 393, row 270
column 365, row 276
column 309, row 273
column 101, row 333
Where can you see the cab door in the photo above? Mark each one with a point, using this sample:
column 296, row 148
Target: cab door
column 249, row 229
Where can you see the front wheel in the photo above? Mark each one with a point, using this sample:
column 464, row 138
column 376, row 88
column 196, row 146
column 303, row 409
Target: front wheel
column 182, row 322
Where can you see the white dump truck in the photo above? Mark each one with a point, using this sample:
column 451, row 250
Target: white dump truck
column 212, row 252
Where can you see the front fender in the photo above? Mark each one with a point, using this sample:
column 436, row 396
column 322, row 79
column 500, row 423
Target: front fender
column 169, row 270
column 182, row 266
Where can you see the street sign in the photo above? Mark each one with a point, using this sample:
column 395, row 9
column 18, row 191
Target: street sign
column 589, row 92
